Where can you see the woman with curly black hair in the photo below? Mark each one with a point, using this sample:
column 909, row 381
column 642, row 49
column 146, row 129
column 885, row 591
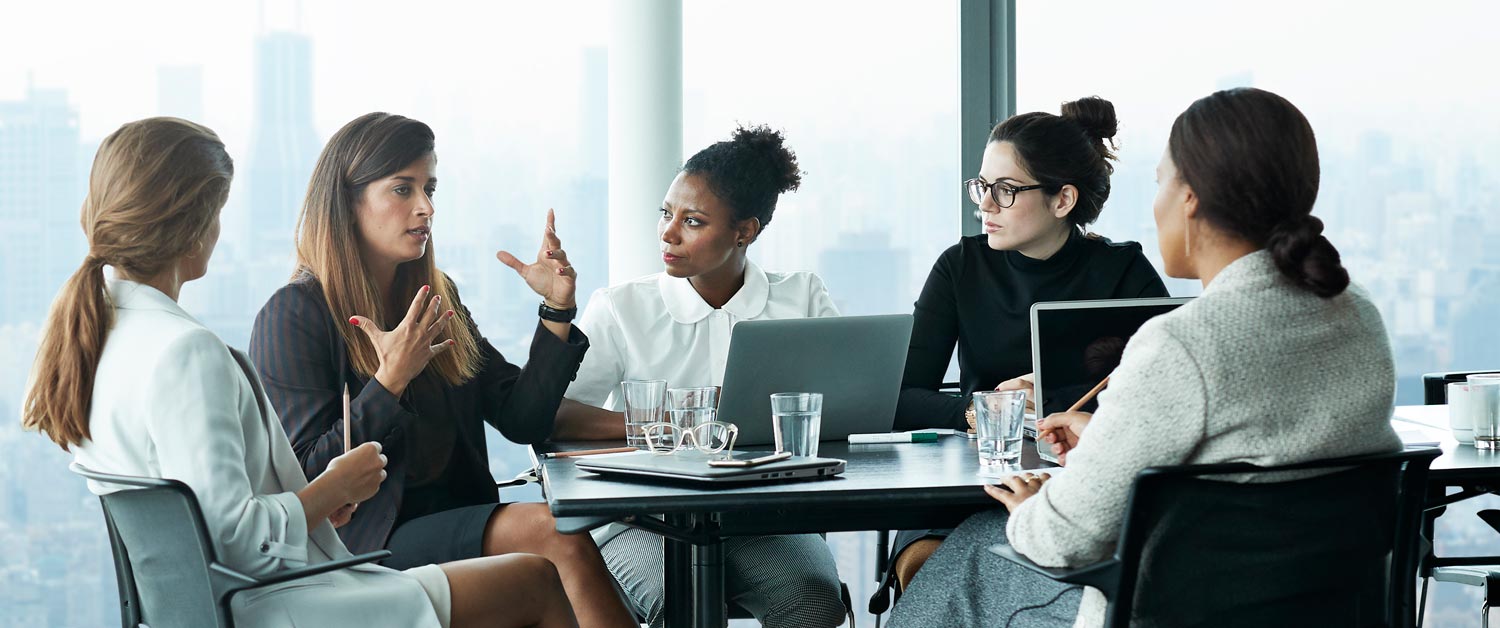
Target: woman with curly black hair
column 674, row 325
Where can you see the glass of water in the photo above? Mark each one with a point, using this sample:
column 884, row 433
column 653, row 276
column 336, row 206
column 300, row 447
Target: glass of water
column 687, row 407
column 1485, row 390
column 796, row 422
column 998, row 418
column 645, row 403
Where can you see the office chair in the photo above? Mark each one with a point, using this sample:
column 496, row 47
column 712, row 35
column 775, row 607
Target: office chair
column 165, row 565
column 1197, row 548
column 1435, row 392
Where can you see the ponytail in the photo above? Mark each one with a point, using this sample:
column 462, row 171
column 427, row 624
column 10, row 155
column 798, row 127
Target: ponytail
column 155, row 190
column 61, row 386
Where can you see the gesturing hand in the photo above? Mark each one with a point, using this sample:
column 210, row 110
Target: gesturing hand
column 406, row 350
column 551, row 276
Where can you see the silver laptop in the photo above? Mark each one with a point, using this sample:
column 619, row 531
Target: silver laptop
column 1076, row 344
column 855, row 361
column 692, row 466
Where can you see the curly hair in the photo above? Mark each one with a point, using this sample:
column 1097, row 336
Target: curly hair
column 748, row 171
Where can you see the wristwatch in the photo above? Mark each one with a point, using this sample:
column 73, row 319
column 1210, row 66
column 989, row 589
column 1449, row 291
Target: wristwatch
column 549, row 313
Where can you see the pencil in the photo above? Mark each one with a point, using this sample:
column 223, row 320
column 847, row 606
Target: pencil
column 346, row 417
column 588, row 452
column 1097, row 387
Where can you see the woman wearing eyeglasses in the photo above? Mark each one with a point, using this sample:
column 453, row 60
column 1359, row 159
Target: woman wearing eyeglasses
column 675, row 326
column 1043, row 178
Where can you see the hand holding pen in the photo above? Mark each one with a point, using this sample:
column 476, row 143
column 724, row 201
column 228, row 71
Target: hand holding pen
column 1063, row 429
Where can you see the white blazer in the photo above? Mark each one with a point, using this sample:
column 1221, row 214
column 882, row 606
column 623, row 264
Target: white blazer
column 170, row 401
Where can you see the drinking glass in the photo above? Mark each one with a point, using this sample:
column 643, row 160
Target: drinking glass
column 999, row 417
column 687, row 407
column 797, row 421
column 1485, row 390
column 645, row 403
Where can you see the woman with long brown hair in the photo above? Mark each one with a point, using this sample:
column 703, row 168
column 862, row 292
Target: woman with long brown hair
column 135, row 385
column 421, row 379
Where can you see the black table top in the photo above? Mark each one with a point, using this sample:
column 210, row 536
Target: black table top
column 1459, row 463
column 891, row 486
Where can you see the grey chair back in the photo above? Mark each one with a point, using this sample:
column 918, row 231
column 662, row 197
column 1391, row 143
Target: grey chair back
column 162, row 554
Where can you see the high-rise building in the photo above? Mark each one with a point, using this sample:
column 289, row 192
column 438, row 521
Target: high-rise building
column 283, row 147
column 861, row 269
column 39, row 206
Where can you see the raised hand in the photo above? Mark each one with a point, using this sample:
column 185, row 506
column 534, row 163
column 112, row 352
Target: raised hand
column 406, row 350
column 550, row 276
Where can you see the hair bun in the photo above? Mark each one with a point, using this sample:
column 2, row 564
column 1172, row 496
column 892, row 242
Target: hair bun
column 1096, row 115
column 769, row 145
column 1305, row 256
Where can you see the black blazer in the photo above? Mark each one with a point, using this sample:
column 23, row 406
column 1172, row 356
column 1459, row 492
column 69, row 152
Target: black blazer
column 304, row 362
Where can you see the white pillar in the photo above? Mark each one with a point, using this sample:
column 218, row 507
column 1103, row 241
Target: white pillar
column 645, row 128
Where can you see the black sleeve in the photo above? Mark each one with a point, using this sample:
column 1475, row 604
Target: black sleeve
column 301, row 358
column 934, row 334
column 522, row 402
column 1141, row 280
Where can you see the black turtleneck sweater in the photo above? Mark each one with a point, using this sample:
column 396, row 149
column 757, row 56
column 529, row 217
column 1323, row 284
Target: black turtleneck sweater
column 980, row 299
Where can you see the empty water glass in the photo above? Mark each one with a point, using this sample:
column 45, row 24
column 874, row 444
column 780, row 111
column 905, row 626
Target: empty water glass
column 796, row 422
column 999, row 418
column 645, row 403
column 687, row 407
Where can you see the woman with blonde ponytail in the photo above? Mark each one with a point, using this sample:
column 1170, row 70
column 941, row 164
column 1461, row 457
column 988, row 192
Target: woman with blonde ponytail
column 134, row 385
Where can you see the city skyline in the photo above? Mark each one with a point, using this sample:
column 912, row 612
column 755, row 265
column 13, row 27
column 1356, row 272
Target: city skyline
column 522, row 126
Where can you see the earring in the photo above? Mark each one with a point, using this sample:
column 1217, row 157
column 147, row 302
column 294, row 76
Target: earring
column 1187, row 241
column 740, row 243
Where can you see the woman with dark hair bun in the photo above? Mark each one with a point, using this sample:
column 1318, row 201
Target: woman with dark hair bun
column 1278, row 326
column 675, row 325
column 1043, row 179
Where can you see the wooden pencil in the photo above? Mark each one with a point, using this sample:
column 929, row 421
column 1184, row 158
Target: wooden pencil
column 1085, row 399
column 589, row 452
column 346, row 417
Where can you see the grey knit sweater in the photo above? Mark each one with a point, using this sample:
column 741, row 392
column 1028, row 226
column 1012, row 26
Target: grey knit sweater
column 1255, row 370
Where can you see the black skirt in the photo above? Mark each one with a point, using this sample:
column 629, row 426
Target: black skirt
column 441, row 537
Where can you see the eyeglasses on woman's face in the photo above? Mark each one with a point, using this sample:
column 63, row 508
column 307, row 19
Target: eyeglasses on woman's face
column 1003, row 194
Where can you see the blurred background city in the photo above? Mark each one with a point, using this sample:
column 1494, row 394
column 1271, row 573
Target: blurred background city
column 1402, row 100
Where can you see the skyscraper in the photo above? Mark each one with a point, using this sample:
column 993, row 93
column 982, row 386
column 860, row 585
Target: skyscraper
column 43, row 190
column 284, row 146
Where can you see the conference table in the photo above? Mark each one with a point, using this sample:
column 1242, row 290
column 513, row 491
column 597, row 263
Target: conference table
column 884, row 487
column 892, row 486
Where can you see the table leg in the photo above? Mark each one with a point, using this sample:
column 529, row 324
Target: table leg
column 677, row 572
column 708, row 585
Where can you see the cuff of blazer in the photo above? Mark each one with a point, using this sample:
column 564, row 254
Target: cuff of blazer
column 382, row 415
column 290, row 545
column 565, row 357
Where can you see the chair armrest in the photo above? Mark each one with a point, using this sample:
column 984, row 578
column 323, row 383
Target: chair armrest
column 294, row 574
column 1103, row 575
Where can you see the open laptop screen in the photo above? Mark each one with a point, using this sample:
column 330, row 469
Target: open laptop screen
column 1075, row 344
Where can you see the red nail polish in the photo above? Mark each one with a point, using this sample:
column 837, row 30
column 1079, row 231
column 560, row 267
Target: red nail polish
column 354, row 321
column 450, row 313
column 426, row 288
column 450, row 343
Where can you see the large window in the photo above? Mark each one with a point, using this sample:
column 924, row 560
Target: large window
column 867, row 94
column 1401, row 97
column 516, row 94
column 874, row 125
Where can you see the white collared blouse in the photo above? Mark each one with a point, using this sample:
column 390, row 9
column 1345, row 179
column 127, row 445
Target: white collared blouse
column 657, row 327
